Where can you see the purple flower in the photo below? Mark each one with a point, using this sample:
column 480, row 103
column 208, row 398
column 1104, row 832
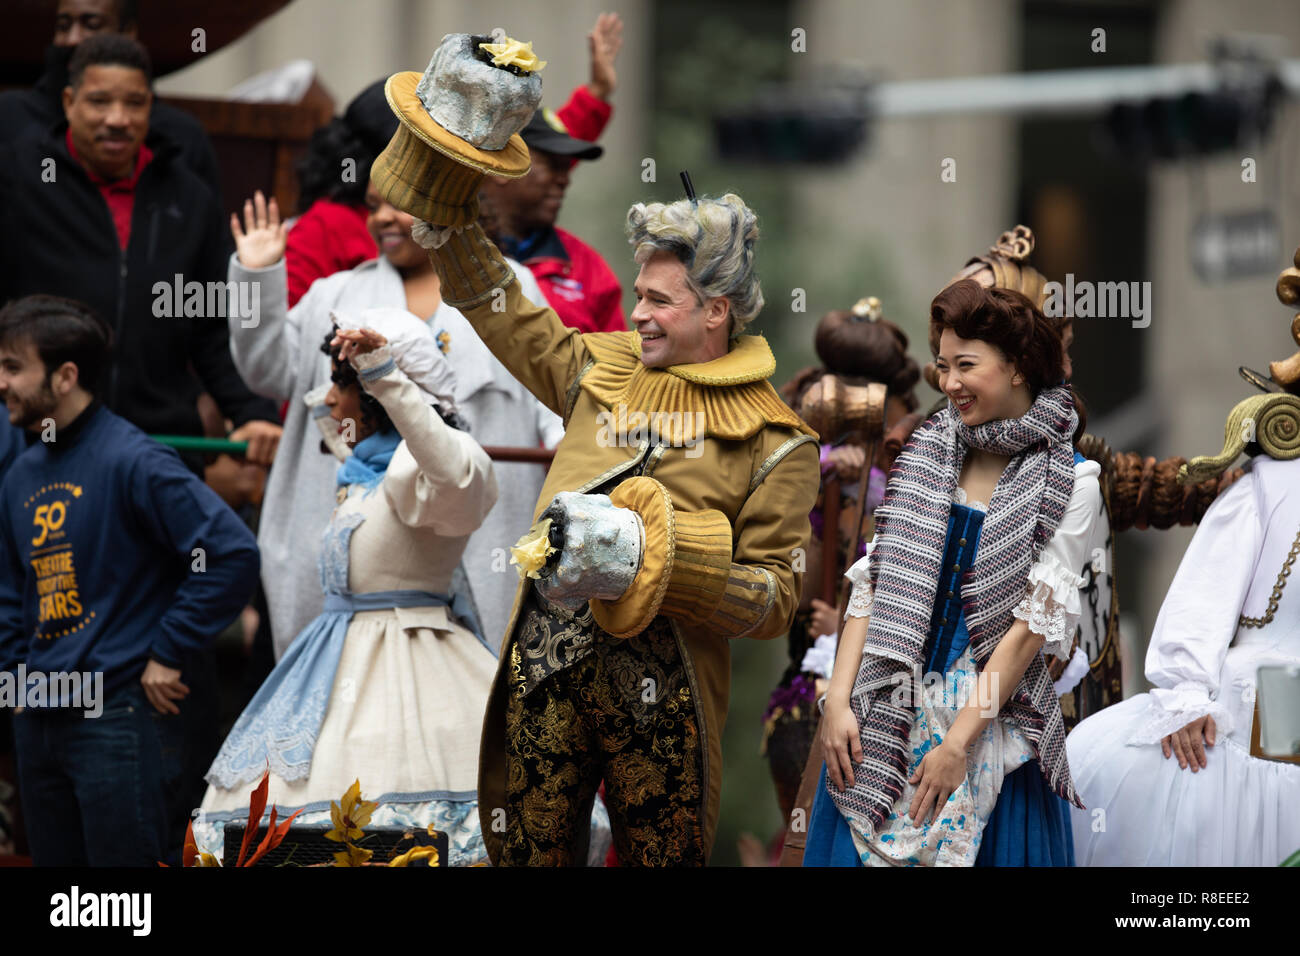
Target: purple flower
column 802, row 691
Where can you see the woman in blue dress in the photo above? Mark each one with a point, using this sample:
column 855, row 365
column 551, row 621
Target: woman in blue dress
column 942, row 733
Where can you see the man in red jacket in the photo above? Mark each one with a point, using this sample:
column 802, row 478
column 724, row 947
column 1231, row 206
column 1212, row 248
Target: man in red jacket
column 520, row 216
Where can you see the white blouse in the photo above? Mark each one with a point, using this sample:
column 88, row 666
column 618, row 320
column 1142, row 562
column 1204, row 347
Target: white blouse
column 1051, row 605
column 1229, row 569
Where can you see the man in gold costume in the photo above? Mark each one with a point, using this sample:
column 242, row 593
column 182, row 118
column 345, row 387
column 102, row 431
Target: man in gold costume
column 615, row 665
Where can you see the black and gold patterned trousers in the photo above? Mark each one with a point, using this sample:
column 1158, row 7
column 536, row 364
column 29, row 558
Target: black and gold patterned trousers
column 623, row 713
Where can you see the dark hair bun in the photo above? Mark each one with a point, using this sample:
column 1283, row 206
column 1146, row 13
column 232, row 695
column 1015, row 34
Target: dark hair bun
column 865, row 351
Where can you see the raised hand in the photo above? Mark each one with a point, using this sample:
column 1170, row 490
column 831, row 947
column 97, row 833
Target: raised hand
column 604, row 41
column 356, row 342
column 260, row 243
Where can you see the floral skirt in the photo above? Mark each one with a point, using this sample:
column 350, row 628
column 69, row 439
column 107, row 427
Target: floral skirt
column 1003, row 814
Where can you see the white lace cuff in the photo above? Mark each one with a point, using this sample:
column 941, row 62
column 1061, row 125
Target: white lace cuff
column 1051, row 604
column 860, row 597
column 430, row 236
column 1174, row 709
column 374, row 364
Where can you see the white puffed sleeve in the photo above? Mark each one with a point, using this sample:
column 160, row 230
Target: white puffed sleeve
column 439, row 477
column 1051, row 603
column 1199, row 616
column 860, row 595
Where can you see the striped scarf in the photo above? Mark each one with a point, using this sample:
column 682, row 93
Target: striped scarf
column 911, row 530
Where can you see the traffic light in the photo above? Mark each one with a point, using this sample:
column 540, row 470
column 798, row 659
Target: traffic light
column 1193, row 124
column 812, row 129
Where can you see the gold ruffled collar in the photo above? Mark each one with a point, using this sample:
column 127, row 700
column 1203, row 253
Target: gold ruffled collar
column 729, row 397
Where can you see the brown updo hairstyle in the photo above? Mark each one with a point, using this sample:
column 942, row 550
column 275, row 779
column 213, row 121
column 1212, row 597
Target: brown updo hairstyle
column 860, row 351
column 1010, row 322
column 1004, row 319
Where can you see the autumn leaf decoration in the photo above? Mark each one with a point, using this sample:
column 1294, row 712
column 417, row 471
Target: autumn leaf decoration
column 348, row 818
column 427, row 853
column 190, row 855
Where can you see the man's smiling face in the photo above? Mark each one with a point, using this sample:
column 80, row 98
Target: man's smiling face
column 108, row 118
column 25, row 385
column 672, row 322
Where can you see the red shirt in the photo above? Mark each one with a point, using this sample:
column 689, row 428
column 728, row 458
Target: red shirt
column 329, row 237
column 118, row 193
column 582, row 288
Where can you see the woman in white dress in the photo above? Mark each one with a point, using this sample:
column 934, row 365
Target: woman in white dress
column 1168, row 776
column 389, row 683
column 277, row 356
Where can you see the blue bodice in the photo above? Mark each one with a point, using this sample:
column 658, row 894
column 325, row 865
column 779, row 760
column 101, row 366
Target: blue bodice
column 948, row 634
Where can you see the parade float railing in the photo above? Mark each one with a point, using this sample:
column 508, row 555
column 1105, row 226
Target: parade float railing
column 224, row 446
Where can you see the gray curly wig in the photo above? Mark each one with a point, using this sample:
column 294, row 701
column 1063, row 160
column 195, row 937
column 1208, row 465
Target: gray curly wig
column 714, row 240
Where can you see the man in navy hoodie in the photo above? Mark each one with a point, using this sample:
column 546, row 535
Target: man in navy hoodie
column 115, row 561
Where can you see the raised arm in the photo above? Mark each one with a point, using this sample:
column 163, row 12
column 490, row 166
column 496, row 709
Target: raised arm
column 209, row 350
column 528, row 339
column 265, row 346
column 586, row 113
column 439, row 477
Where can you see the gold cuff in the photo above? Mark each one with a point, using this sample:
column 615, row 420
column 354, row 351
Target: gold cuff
column 747, row 600
column 684, row 563
column 701, row 563
column 470, row 267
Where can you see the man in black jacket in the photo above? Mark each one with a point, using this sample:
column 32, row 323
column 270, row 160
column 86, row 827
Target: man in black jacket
column 101, row 209
column 27, row 114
